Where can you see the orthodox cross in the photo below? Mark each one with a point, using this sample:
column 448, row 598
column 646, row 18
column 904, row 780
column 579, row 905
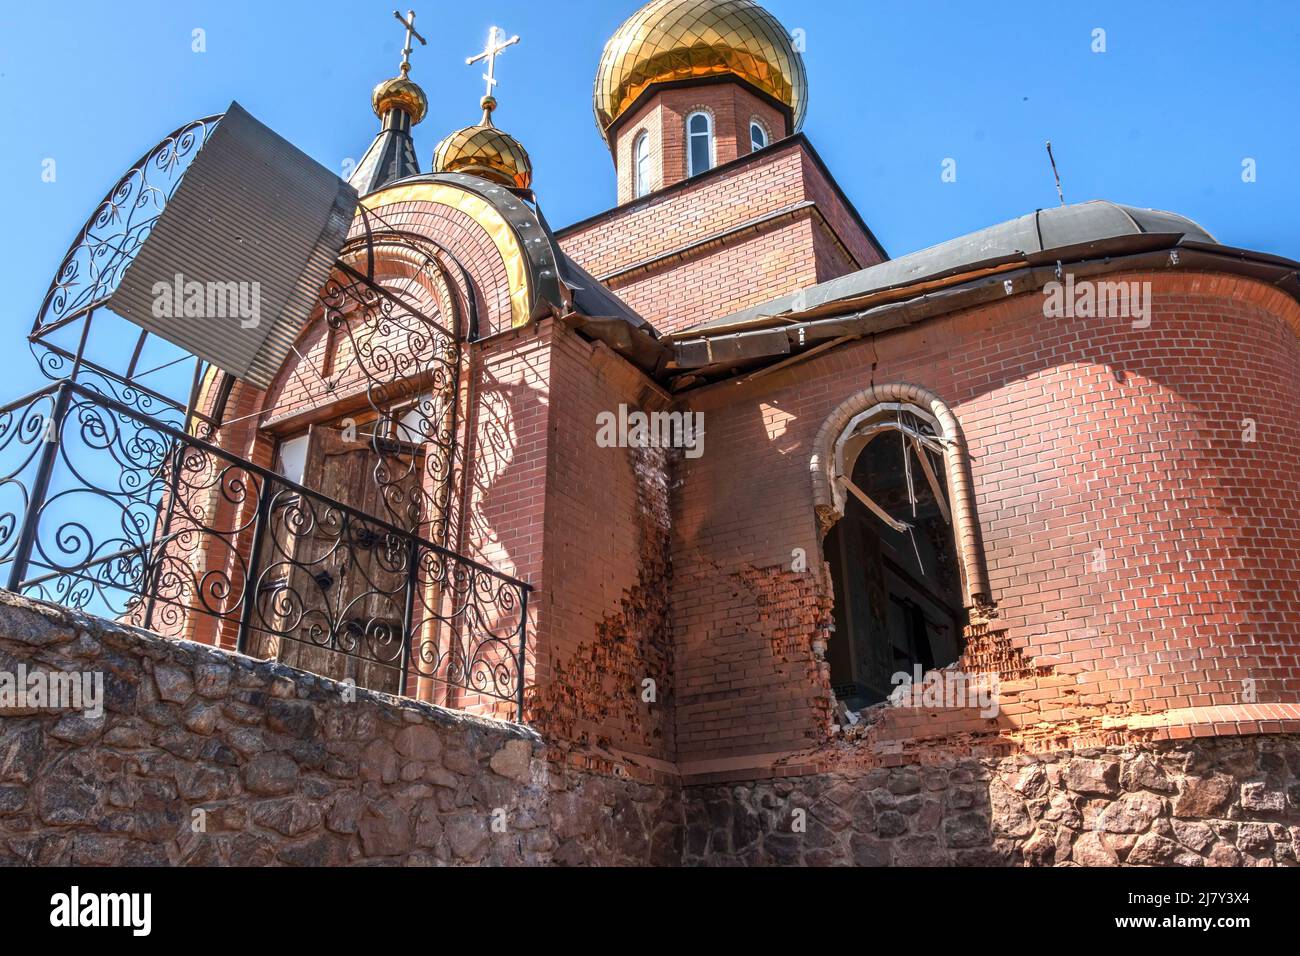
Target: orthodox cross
column 409, row 23
column 495, row 44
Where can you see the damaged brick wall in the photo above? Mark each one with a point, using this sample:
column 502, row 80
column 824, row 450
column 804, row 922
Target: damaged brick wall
column 792, row 611
column 203, row 757
column 603, row 623
column 751, row 601
column 1127, row 531
column 600, row 687
column 757, row 681
column 988, row 650
column 1041, row 706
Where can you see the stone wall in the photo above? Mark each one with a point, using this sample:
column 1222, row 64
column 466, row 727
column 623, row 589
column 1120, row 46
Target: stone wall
column 1199, row 802
column 203, row 757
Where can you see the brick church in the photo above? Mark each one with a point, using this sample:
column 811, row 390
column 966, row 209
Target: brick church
column 912, row 473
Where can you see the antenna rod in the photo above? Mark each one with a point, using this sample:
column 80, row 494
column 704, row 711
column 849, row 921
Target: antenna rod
column 1059, row 192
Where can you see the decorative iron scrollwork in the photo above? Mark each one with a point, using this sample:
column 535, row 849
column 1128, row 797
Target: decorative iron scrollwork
column 110, row 239
column 111, row 511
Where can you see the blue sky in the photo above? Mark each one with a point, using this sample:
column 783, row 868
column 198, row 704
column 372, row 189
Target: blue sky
column 1163, row 118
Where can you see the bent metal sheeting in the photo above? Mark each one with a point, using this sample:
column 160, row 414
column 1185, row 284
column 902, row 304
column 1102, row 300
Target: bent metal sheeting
column 232, row 268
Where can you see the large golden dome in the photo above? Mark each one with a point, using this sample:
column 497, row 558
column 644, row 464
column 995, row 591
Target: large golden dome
column 485, row 151
column 672, row 40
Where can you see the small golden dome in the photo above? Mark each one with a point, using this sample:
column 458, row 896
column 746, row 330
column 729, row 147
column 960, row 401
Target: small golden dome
column 401, row 93
column 485, row 151
column 672, row 40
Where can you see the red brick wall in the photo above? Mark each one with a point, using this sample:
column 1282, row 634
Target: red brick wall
column 1085, row 434
column 505, row 478
column 603, row 625
column 501, row 492
column 685, row 256
column 473, row 247
column 663, row 116
column 687, row 292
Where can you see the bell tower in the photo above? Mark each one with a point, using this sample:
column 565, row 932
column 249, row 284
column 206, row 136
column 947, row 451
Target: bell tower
column 688, row 85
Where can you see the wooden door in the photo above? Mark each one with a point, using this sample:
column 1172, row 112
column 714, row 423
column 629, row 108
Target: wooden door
column 337, row 583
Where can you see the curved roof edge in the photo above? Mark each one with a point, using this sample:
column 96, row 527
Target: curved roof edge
column 1014, row 258
column 519, row 211
column 559, row 281
column 1073, row 228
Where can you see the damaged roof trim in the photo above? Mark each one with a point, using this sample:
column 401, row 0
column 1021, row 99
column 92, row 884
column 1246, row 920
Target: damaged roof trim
column 1108, row 238
column 706, row 357
column 823, row 300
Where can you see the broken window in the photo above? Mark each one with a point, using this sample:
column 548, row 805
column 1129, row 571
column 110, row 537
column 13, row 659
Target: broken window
column 893, row 556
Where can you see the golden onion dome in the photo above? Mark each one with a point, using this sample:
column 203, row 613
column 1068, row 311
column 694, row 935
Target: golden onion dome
column 669, row 41
column 400, row 93
column 485, row 151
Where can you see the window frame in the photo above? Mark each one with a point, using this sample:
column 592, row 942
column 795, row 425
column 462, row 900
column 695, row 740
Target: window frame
column 829, row 495
column 641, row 165
column 690, row 142
column 757, row 124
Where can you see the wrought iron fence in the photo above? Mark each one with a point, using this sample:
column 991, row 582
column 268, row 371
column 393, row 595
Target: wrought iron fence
column 106, row 508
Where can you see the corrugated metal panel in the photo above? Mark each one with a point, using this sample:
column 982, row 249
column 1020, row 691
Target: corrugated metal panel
column 255, row 211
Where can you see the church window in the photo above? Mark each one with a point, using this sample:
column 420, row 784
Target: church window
column 757, row 136
column 291, row 459
column 641, row 165
column 699, row 129
column 898, row 578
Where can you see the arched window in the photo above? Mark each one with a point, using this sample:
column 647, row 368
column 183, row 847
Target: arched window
column 757, row 136
column 641, row 165
column 699, row 137
column 893, row 491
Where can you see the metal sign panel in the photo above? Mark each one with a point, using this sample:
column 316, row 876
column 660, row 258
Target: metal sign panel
column 234, row 265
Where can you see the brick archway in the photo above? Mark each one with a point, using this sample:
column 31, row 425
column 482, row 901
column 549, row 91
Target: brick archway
column 829, row 497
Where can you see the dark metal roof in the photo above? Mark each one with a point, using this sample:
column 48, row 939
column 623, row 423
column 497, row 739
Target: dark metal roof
column 1065, row 227
column 390, row 157
column 1015, row 258
column 602, row 315
column 592, row 298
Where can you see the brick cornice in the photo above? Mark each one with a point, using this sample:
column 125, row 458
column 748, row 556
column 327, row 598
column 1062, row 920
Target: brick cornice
column 798, row 142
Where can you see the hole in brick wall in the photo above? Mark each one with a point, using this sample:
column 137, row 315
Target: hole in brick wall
column 894, row 563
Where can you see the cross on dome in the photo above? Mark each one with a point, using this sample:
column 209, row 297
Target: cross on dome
column 409, row 23
column 496, row 43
